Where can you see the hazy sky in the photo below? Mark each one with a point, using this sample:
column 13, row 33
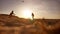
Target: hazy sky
column 41, row 8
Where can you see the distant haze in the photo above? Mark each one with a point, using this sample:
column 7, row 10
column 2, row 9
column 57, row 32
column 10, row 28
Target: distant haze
column 41, row 8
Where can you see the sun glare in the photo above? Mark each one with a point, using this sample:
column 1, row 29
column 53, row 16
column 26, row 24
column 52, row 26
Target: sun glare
column 27, row 13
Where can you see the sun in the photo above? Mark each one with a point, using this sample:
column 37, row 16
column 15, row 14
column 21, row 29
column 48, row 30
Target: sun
column 27, row 13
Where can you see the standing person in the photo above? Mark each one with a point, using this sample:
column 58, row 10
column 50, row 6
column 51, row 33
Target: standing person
column 32, row 21
column 32, row 16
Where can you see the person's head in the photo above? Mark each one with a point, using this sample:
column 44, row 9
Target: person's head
column 32, row 14
column 12, row 11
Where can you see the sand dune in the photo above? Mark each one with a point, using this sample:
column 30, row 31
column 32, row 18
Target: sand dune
column 16, row 25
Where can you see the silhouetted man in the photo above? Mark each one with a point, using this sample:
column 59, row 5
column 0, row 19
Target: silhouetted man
column 32, row 16
column 12, row 13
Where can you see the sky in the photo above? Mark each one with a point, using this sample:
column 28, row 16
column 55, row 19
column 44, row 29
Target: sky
column 49, row 9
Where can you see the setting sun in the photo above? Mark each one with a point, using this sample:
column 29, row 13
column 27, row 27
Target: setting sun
column 27, row 13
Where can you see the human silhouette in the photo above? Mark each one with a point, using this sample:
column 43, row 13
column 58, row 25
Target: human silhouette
column 32, row 15
column 12, row 13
